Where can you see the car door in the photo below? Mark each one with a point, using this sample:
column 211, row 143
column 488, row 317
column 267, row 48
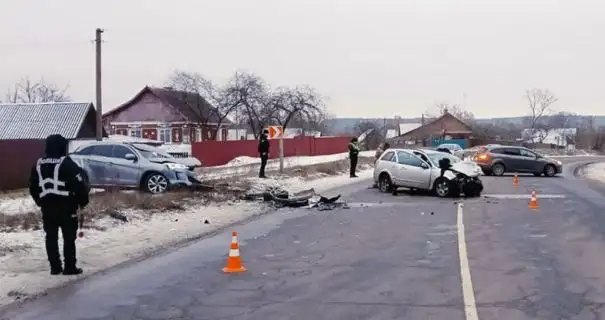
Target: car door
column 508, row 156
column 529, row 161
column 412, row 171
column 99, row 164
column 386, row 163
column 127, row 172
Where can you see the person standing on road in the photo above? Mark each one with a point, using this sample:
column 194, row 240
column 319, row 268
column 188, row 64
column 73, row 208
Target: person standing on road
column 353, row 156
column 263, row 150
column 58, row 186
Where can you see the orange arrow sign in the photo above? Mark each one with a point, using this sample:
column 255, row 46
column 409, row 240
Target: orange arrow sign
column 275, row 132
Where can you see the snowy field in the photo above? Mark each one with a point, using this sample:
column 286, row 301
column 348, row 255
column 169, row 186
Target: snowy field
column 24, row 268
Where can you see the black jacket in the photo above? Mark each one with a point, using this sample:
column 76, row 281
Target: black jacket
column 72, row 189
column 263, row 144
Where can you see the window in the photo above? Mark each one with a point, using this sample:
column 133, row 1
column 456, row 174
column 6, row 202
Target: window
column 120, row 152
column 388, row 156
column 164, row 135
column 512, row 152
column 101, row 150
column 527, row 154
column 135, row 132
column 198, row 134
column 408, row 159
column 85, row 151
column 185, row 135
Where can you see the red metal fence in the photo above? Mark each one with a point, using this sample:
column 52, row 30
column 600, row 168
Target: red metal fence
column 216, row 153
column 18, row 158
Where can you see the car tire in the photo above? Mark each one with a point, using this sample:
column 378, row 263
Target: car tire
column 498, row 169
column 444, row 188
column 549, row 170
column 155, row 183
column 385, row 184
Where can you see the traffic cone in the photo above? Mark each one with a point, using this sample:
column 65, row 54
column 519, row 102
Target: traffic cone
column 234, row 261
column 515, row 180
column 533, row 202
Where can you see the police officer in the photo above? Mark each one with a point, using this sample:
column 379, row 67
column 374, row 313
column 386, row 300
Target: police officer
column 263, row 150
column 353, row 155
column 58, row 187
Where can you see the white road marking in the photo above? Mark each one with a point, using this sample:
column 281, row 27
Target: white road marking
column 523, row 196
column 468, row 294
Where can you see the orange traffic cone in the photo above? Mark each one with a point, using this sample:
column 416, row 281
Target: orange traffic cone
column 515, row 180
column 234, row 261
column 533, row 202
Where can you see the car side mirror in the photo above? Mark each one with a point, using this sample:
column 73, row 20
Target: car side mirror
column 130, row 156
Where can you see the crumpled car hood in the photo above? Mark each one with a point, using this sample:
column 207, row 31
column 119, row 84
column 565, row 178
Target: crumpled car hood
column 468, row 168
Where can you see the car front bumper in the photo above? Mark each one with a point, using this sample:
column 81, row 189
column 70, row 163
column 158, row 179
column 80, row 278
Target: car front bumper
column 178, row 179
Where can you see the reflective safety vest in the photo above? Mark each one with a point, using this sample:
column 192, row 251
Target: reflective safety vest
column 56, row 183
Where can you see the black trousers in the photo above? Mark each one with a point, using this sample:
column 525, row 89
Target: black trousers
column 263, row 164
column 68, row 223
column 353, row 159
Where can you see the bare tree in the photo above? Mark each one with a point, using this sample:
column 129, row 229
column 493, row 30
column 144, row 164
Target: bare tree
column 539, row 102
column 210, row 100
column 27, row 91
column 300, row 104
column 257, row 105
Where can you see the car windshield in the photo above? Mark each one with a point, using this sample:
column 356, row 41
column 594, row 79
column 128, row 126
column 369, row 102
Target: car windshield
column 151, row 152
column 436, row 156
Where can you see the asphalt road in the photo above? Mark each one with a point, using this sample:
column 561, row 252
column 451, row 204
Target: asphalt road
column 386, row 257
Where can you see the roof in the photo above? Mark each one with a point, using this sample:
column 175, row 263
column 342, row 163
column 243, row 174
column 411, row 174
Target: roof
column 407, row 127
column 39, row 120
column 190, row 105
column 444, row 115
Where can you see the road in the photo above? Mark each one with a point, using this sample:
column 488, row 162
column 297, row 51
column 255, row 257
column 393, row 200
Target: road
column 386, row 257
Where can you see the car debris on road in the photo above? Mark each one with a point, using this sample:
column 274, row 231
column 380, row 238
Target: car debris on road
column 281, row 198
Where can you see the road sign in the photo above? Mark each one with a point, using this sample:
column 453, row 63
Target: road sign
column 276, row 132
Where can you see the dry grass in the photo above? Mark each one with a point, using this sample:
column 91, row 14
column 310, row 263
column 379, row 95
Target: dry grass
column 118, row 204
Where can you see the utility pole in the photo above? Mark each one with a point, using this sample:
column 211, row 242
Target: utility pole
column 99, row 102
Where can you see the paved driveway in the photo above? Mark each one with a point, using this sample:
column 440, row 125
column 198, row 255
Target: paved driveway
column 387, row 257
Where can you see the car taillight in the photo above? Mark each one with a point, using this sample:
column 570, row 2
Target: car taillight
column 483, row 157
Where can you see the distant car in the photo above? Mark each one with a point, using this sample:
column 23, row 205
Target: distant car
column 132, row 165
column 499, row 159
column 452, row 148
column 419, row 169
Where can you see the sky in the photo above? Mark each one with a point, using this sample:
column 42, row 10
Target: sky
column 369, row 58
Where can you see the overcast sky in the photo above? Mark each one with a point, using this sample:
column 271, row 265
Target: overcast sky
column 372, row 58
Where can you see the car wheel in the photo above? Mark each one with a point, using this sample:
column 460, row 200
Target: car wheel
column 498, row 169
column 156, row 183
column 550, row 170
column 443, row 188
column 384, row 183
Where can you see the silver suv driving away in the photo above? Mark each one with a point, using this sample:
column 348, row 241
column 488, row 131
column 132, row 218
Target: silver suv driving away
column 131, row 166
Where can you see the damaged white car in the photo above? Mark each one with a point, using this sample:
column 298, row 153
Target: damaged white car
column 444, row 174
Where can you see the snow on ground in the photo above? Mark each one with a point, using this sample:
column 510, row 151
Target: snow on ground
column 296, row 161
column 245, row 165
column 595, row 171
column 24, row 268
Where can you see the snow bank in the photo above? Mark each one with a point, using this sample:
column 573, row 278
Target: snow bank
column 295, row 161
column 245, row 165
column 24, row 268
column 595, row 171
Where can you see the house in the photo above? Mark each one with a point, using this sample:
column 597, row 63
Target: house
column 167, row 115
column 31, row 121
column 24, row 128
column 555, row 137
column 445, row 128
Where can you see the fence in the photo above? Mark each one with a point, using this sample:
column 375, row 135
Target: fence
column 19, row 157
column 216, row 153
